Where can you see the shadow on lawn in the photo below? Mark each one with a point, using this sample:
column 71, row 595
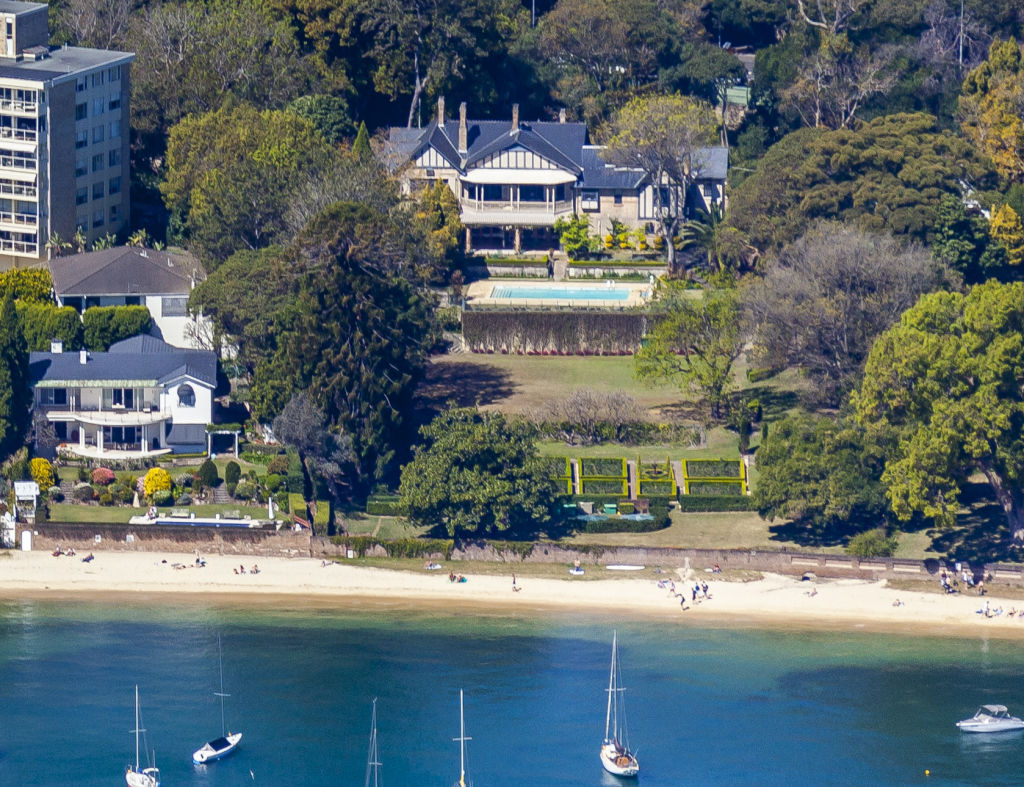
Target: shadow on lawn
column 465, row 384
column 981, row 534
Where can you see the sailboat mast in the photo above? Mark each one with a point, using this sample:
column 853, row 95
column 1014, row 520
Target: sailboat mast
column 136, row 726
column 462, row 742
column 611, row 689
column 372, row 762
column 221, row 694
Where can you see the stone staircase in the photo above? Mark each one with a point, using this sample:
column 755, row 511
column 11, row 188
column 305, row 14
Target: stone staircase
column 219, row 494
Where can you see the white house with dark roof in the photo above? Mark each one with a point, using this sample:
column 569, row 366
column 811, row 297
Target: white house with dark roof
column 514, row 180
column 142, row 397
column 132, row 276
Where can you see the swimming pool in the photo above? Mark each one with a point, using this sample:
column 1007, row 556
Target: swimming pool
column 562, row 293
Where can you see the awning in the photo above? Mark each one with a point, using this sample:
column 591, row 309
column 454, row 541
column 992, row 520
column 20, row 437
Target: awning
column 524, row 177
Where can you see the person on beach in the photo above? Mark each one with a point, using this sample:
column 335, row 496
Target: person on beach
column 717, row 569
column 704, row 589
column 695, row 589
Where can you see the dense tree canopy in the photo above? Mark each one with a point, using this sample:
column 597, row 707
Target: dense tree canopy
column 888, row 175
column 826, row 297
column 15, row 394
column 945, row 389
column 822, row 473
column 477, row 474
column 992, row 108
column 694, row 342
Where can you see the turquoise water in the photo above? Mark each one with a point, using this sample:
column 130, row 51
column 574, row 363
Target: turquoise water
column 705, row 705
column 562, row 293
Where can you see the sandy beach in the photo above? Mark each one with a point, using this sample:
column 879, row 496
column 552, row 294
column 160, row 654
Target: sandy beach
column 771, row 602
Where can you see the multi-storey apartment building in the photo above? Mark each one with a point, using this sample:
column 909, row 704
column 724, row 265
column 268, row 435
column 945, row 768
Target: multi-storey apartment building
column 63, row 138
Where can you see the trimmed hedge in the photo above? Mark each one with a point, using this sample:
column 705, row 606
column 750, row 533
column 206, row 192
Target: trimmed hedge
column 381, row 505
column 556, row 466
column 714, row 488
column 517, row 262
column 605, row 486
column 659, row 471
column 657, row 487
column 296, row 505
column 618, row 525
column 705, row 503
column 103, row 326
column 401, row 547
column 602, row 468
column 322, row 517
column 547, row 332
column 712, row 468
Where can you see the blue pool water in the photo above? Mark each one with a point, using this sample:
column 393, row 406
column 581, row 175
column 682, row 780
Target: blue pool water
column 706, row 706
column 562, row 293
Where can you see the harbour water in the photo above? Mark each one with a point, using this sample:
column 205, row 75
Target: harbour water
column 723, row 706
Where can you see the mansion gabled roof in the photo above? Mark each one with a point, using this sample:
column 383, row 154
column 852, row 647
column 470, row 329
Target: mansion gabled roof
column 140, row 360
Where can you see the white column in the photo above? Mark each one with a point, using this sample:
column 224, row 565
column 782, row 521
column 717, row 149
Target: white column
column 99, row 439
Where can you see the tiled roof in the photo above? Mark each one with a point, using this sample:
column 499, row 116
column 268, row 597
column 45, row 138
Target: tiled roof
column 140, row 358
column 121, row 270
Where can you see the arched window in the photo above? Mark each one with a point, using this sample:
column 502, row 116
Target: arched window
column 186, row 396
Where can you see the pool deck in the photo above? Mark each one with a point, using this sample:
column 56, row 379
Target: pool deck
column 479, row 293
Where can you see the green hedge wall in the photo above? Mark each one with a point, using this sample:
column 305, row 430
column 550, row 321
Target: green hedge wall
column 617, row 525
column 43, row 322
column 655, row 471
column 657, row 487
column 296, row 505
column 553, row 332
column 556, row 466
column 103, row 326
column 519, row 262
column 695, row 503
column 712, row 468
column 604, row 486
column 714, row 488
column 603, row 468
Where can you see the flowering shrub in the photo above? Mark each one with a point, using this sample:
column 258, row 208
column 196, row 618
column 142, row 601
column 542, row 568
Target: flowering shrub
column 156, row 480
column 103, row 476
column 42, row 472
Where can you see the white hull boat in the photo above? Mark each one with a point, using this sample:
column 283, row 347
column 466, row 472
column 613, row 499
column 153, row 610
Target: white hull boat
column 991, row 718
column 137, row 776
column 616, row 756
column 221, row 747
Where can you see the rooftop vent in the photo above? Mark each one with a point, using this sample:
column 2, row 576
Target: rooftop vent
column 37, row 52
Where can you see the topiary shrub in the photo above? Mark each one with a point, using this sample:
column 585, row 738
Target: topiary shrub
column 163, row 497
column 873, row 543
column 207, row 473
column 273, row 483
column 83, row 492
column 106, row 499
column 232, row 472
column 103, row 476
column 183, row 500
column 55, row 494
column 83, row 473
column 278, row 465
column 42, row 472
column 231, row 488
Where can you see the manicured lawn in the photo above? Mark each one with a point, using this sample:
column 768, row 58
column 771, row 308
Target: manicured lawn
column 383, row 527
column 73, row 512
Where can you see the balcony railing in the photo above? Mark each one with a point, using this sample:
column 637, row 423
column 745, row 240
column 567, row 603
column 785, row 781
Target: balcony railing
column 18, row 105
column 559, row 206
column 17, row 162
column 18, row 247
column 11, row 188
column 20, row 134
column 513, row 213
column 21, row 219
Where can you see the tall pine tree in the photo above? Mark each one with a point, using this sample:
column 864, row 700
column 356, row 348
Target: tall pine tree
column 15, row 394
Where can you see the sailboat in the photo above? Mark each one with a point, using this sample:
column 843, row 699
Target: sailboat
column 462, row 746
column 616, row 756
column 228, row 741
column 137, row 776
column 372, row 759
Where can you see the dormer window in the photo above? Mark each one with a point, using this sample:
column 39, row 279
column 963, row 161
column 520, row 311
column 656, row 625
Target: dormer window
column 186, row 396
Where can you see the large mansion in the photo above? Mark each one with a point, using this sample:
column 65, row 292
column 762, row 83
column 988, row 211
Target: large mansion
column 513, row 180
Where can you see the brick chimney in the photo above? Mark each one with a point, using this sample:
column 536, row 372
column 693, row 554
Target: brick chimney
column 463, row 130
column 515, row 117
column 440, row 112
column 561, row 115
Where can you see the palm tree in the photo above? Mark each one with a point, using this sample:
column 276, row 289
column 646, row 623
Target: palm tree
column 139, row 238
column 105, row 242
column 79, row 240
column 57, row 246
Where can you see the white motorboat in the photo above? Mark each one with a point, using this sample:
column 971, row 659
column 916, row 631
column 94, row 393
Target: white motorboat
column 462, row 746
column 228, row 741
column 616, row 756
column 991, row 718
column 138, row 776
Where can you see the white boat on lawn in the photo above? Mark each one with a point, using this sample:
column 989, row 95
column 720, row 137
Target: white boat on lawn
column 616, row 756
column 137, row 776
column 991, row 718
column 228, row 741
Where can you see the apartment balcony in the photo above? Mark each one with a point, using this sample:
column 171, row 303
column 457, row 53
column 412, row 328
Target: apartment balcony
column 19, row 247
column 507, row 213
column 19, row 222
column 11, row 188
column 20, row 106
column 24, row 164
